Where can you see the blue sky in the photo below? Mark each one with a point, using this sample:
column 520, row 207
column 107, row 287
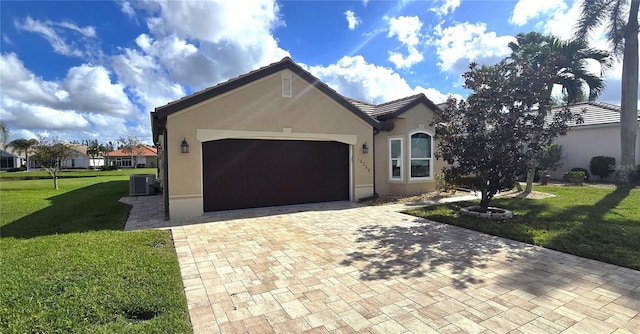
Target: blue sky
column 94, row 69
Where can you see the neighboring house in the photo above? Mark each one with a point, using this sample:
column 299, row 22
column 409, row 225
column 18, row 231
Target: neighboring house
column 9, row 160
column 81, row 159
column 143, row 156
column 598, row 134
column 278, row 136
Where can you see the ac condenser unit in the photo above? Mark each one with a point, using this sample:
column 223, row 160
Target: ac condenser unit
column 141, row 184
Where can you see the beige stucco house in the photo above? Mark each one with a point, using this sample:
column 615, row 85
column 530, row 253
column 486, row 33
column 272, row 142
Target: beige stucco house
column 597, row 134
column 279, row 136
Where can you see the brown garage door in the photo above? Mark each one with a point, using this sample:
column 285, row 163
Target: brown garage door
column 248, row 173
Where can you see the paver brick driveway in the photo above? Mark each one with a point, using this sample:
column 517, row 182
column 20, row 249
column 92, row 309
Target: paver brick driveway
column 342, row 267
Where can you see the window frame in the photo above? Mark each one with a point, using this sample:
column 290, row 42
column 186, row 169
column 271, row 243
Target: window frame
column 399, row 159
column 429, row 159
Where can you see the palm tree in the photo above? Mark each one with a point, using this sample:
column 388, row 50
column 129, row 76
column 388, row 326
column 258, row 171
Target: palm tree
column 23, row 146
column 566, row 61
column 623, row 35
column 569, row 58
column 4, row 133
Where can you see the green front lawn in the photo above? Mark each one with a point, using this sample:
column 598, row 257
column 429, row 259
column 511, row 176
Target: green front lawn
column 601, row 223
column 68, row 267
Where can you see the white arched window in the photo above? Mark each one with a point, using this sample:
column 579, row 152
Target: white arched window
column 421, row 156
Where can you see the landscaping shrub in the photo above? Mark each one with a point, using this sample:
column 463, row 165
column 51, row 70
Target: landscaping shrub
column 442, row 184
column 106, row 168
column 549, row 158
column 635, row 176
column 574, row 177
column 17, row 169
column 602, row 166
column 468, row 182
column 587, row 176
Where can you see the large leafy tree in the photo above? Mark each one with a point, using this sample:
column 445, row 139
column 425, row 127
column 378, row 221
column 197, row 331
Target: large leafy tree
column 565, row 64
column 621, row 20
column 133, row 146
column 487, row 135
column 23, row 146
column 50, row 154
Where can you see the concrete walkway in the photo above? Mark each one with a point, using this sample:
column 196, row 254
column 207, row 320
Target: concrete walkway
column 342, row 267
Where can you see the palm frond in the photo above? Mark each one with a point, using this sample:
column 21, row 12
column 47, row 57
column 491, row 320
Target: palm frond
column 593, row 13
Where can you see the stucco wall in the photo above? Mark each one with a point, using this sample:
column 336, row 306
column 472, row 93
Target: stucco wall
column 580, row 144
column 258, row 111
column 419, row 118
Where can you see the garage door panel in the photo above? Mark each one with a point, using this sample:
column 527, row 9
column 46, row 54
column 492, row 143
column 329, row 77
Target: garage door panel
column 244, row 173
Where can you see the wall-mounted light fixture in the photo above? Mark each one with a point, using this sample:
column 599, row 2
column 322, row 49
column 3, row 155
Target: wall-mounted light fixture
column 365, row 148
column 184, row 147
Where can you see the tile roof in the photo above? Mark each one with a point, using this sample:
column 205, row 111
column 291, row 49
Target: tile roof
column 366, row 107
column 146, row 151
column 596, row 113
column 392, row 108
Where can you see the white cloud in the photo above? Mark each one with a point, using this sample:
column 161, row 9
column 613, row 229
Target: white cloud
column 189, row 45
column 405, row 62
column 147, row 81
column 407, row 30
column 22, row 85
column 525, row 10
column 446, row 7
column 232, row 38
column 355, row 78
column 352, row 19
column 435, row 95
column 461, row 44
column 88, row 31
column 246, row 24
column 89, row 89
column 561, row 23
column 52, row 32
column 67, row 108
column 125, row 7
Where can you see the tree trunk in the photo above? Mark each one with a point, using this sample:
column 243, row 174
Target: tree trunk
column 629, row 99
column 518, row 186
column 484, row 201
column 531, row 172
column 55, row 182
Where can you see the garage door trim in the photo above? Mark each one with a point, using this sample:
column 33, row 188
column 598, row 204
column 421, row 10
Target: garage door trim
column 204, row 135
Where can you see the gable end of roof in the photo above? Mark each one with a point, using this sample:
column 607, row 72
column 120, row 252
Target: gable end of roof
column 286, row 63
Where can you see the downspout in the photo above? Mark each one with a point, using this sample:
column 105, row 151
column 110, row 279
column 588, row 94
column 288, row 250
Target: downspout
column 373, row 148
column 165, row 177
